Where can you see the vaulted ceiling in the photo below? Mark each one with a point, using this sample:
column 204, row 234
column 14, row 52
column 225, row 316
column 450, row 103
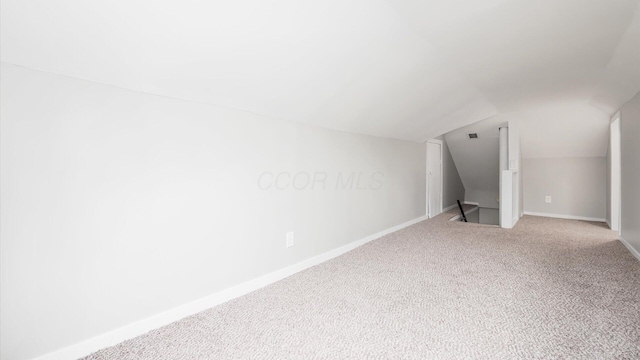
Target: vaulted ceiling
column 406, row 69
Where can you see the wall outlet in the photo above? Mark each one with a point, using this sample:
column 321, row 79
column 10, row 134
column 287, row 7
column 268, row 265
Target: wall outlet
column 547, row 199
column 289, row 239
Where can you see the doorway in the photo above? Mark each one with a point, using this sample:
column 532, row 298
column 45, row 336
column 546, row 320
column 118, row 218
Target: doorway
column 434, row 178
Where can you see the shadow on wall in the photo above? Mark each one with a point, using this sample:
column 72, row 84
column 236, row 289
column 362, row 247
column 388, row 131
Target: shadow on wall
column 477, row 160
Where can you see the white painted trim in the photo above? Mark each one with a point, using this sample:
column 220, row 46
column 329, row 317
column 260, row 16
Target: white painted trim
column 472, row 203
column 449, row 208
column 441, row 143
column 515, row 221
column 143, row 326
column 561, row 216
column 633, row 251
column 608, row 224
column 472, row 210
column 457, row 217
column 507, row 199
column 615, row 172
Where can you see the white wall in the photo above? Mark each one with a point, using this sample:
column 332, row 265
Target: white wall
column 489, row 216
column 577, row 186
column 562, row 129
column 608, row 186
column 613, row 174
column 630, row 130
column 515, row 164
column 117, row 205
column 478, row 160
column 453, row 187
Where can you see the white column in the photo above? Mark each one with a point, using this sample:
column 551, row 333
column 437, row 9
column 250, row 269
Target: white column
column 504, row 165
column 504, row 148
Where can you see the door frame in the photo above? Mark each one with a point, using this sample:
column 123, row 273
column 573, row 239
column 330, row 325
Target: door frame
column 616, row 173
column 441, row 143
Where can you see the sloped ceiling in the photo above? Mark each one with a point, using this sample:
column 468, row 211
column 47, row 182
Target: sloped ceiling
column 406, row 69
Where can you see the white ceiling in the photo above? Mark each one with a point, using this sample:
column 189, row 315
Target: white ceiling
column 407, row 69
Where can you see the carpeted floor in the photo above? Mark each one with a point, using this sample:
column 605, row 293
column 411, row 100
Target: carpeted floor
column 548, row 289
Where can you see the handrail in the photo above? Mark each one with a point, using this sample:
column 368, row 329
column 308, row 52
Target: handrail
column 464, row 218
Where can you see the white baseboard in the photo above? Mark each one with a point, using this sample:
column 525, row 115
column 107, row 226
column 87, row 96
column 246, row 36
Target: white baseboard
column 608, row 224
column 137, row 328
column 560, row 216
column 449, row 208
column 458, row 216
column 633, row 251
column 472, row 203
column 516, row 221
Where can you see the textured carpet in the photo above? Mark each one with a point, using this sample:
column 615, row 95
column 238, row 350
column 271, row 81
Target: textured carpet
column 547, row 289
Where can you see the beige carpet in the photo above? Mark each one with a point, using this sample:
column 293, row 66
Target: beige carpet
column 548, row 289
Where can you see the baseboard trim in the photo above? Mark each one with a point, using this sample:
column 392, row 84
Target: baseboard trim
column 472, row 203
column 449, row 208
column 458, row 216
column 633, row 251
column 560, row 216
column 137, row 328
column 608, row 224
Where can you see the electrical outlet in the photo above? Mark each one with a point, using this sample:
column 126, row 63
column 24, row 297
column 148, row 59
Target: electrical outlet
column 547, row 199
column 289, row 239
